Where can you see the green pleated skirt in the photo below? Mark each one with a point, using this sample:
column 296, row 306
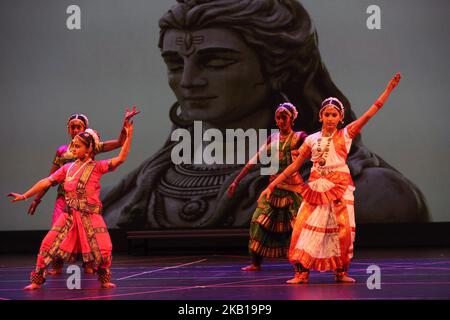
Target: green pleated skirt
column 272, row 223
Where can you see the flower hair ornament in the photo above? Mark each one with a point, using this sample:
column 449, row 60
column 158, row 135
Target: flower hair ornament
column 87, row 139
column 94, row 135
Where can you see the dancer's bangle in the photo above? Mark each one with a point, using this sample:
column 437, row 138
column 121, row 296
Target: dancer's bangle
column 379, row 104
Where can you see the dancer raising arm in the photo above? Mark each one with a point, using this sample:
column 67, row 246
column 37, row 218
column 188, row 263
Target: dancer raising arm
column 81, row 228
column 272, row 221
column 75, row 124
column 324, row 230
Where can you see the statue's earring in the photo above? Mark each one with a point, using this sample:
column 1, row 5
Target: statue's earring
column 176, row 118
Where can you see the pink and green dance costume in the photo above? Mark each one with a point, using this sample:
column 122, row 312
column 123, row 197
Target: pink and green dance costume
column 272, row 221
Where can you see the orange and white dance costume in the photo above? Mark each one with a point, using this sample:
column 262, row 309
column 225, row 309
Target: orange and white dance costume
column 324, row 230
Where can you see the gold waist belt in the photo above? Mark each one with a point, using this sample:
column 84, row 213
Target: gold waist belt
column 82, row 205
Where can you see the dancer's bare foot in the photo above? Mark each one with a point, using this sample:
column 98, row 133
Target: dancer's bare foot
column 251, row 267
column 108, row 285
column 88, row 270
column 344, row 278
column 300, row 277
column 32, row 286
column 54, row 272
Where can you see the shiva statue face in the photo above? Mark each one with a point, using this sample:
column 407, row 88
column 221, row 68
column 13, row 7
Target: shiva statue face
column 215, row 76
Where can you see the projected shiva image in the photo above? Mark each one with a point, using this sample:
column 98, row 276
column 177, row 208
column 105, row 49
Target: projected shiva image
column 230, row 64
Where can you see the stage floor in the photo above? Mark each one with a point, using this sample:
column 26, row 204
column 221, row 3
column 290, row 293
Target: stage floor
column 405, row 274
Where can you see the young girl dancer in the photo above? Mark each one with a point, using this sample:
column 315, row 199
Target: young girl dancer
column 75, row 124
column 80, row 228
column 272, row 221
column 324, row 230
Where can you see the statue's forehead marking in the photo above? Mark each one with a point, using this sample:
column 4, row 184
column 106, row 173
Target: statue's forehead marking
column 187, row 43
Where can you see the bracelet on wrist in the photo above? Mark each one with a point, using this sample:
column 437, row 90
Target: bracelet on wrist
column 379, row 104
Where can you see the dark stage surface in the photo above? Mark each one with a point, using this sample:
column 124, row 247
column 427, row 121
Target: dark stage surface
column 419, row 273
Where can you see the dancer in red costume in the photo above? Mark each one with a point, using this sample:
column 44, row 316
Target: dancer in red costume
column 324, row 230
column 81, row 228
column 75, row 124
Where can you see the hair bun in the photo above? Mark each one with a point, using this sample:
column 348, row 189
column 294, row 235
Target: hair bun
column 94, row 135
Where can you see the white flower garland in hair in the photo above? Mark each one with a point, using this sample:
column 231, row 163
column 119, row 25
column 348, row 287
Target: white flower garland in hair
column 94, row 135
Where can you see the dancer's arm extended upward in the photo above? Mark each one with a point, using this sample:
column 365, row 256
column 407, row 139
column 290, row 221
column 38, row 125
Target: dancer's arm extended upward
column 355, row 127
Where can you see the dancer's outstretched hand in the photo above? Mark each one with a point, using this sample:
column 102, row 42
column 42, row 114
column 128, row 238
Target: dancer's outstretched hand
column 394, row 81
column 33, row 206
column 127, row 121
column 16, row 196
column 266, row 193
column 130, row 114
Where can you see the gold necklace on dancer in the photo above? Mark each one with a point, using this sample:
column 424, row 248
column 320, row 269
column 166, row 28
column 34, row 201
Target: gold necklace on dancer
column 324, row 155
column 70, row 178
column 287, row 139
